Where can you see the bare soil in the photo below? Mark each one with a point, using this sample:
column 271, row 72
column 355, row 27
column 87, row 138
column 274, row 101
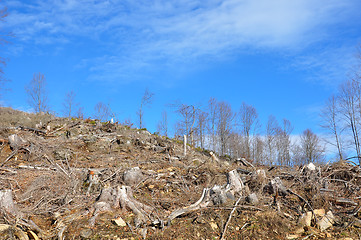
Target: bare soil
column 49, row 177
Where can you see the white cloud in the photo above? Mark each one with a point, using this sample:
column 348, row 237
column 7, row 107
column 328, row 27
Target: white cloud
column 145, row 32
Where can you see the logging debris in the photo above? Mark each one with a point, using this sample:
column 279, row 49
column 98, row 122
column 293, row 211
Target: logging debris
column 84, row 179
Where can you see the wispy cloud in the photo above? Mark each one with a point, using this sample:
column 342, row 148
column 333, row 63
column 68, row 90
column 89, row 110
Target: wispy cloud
column 138, row 34
column 329, row 66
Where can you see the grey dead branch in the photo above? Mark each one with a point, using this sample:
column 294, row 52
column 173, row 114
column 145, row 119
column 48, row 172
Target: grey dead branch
column 69, row 178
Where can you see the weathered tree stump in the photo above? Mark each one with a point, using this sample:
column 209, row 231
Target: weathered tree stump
column 111, row 198
column 132, row 176
column 213, row 196
column 16, row 142
column 7, row 205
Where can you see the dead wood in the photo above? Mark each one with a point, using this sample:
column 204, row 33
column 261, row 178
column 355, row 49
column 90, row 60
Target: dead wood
column 16, row 142
column 8, row 170
column 116, row 197
column 7, row 205
column 9, row 157
column 229, row 219
column 37, row 131
column 10, row 211
column 203, row 201
column 213, row 196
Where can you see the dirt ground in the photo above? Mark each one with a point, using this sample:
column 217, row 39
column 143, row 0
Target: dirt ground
column 51, row 170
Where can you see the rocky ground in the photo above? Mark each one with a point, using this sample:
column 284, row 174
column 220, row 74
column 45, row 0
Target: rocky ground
column 84, row 179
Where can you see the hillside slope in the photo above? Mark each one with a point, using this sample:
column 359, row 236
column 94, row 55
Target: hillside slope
column 84, row 179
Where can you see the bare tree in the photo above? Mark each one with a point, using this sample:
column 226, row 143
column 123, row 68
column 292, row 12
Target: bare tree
column 162, row 127
column 271, row 134
column 258, row 147
column 212, row 125
column 102, row 111
column 349, row 109
column 224, row 125
column 312, row 151
column 201, row 127
column 331, row 119
column 284, row 143
column 235, row 144
column 37, row 93
column 185, row 126
column 146, row 100
column 248, row 119
column 69, row 104
column 80, row 113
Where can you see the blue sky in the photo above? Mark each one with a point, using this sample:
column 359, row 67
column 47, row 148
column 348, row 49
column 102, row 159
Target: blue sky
column 283, row 57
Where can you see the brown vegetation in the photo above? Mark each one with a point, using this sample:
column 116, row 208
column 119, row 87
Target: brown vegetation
column 79, row 179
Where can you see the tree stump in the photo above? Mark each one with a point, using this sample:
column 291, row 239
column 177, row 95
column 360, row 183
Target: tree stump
column 7, row 205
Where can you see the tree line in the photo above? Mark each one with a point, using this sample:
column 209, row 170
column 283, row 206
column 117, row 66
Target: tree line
column 216, row 127
column 234, row 134
column 239, row 134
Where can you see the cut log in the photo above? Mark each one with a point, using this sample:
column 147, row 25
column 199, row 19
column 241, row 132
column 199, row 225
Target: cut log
column 245, row 163
column 37, row 131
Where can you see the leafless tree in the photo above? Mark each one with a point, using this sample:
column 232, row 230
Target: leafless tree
column 80, row 113
column 146, row 100
column 128, row 122
column 235, row 145
column 185, row 126
column 258, row 149
column 248, row 122
column 162, row 127
column 312, row 151
column 349, row 108
column 37, row 93
column 224, row 125
column 284, row 143
column 201, row 127
column 102, row 111
column 212, row 124
column 272, row 129
column 331, row 122
column 69, row 104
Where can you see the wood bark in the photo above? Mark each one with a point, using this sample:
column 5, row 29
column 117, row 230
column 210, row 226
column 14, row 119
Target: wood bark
column 213, row 196
column 7, row 205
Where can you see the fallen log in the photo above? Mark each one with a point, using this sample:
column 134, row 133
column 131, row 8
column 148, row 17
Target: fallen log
column 37, row 131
